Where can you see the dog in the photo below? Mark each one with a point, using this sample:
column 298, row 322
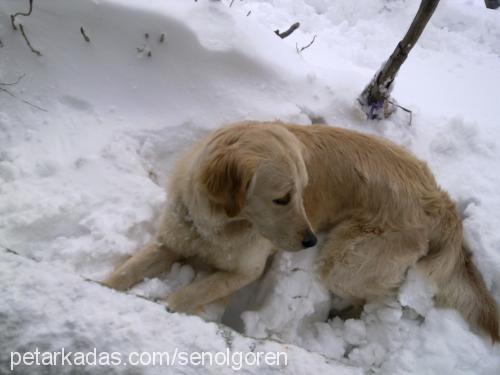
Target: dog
column 254, row 187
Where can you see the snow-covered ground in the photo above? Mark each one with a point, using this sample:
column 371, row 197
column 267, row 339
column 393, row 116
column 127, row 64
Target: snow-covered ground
column 81, row 177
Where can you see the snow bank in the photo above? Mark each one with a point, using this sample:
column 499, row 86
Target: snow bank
column 81, row 183
column 58, row 309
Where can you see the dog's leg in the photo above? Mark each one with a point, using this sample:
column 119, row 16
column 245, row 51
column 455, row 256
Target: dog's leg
column 209, row 289
column 150, row 261
column 363, row 261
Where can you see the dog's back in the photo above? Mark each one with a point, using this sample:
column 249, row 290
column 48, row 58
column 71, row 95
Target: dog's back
column 384, row 186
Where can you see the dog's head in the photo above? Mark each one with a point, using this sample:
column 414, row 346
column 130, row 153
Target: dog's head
column 257, row 172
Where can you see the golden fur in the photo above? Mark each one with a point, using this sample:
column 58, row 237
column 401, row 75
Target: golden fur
column 253, row 187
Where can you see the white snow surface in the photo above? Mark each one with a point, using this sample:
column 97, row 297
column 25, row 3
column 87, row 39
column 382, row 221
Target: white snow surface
column 81, row 181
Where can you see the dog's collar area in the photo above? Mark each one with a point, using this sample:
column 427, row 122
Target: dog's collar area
column 236, row 224
column 182, row 212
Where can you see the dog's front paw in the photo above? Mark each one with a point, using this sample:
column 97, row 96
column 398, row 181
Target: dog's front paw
column 180, row 302
column 212, row 312
column 116, row 282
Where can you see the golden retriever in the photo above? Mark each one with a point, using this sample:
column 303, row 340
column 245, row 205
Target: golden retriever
column 254, row 187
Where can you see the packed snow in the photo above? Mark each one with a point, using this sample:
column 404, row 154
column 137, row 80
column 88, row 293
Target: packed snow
column 92, row 129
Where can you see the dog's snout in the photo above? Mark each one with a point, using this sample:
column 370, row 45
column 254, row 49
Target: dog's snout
column 309, row 239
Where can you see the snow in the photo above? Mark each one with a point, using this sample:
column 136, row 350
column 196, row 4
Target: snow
column 81, row 183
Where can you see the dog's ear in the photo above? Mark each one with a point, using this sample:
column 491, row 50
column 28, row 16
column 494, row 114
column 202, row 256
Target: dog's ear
column 226, row 176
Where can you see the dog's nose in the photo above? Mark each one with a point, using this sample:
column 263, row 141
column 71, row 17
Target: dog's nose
column 309, row 240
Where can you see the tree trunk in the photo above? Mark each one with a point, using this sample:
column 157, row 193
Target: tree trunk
column 492, row 4
column 374, row 99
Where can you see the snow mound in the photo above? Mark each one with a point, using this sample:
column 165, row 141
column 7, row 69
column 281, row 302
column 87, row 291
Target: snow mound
column 59, row 309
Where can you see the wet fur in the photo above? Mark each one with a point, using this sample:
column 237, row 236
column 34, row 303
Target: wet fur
column 380, row 207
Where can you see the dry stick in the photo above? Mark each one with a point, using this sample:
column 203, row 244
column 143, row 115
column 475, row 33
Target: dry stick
column 14, row 96
column 249, row 12
column 13, row 83
column 286, row 33
column 23, row 100
column 87, row 39
column 27, row 41
column 9, row 250
column 307, row 46
column 13, row 16
column 230, row 5
column 12, row 20
column 404, row 109
column 375, row 96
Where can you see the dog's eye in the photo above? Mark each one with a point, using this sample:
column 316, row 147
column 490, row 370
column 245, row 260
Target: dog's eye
column 284, row 200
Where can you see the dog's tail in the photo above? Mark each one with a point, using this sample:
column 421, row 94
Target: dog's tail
column 459, row 283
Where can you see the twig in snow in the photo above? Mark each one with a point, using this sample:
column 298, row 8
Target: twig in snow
column 23, row 100
column 230, row 5
column 13, row 16
column 28, row 42
column 87, row 39
column 286, row 33
column 13, row 83
column 9, row 250
column 14, row 96
column 404, row 109
column 305, row 47
column 249, row 12
column 13, row 19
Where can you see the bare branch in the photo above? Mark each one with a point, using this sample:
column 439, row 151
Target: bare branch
column 9, row 250
column 230, row 5
column 249, row 12
column 28, row 42
column 286, row 33
column 16, row 97
column 82, row 31
column 13, row 16
column 305, row 47
column 404, row 109
column 23, row 100
column 13, row 83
